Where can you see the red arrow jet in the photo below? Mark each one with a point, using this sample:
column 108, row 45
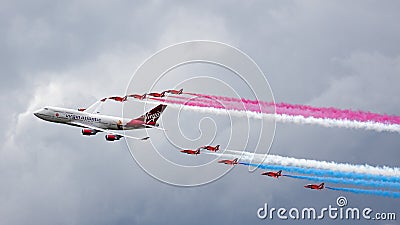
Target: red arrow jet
column 175, row 92
column 229, row 162
column 273, row 174
column 118, row 98
column 211, row 148
column 157, row 95
column 191, row 152
column 137, row 96
column 315, row 186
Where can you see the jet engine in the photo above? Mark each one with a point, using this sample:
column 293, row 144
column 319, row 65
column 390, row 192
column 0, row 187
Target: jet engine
column 113, row 137
column 88, row 132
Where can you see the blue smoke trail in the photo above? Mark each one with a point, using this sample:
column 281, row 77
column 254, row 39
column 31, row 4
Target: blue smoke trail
column 322, row 172
column 389, row 194
column 376, row 184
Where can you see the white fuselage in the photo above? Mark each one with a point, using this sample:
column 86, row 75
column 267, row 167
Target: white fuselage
column 74, row 118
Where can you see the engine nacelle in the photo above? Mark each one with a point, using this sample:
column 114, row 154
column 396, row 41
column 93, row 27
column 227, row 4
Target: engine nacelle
column 113, row 137
column 88, row 132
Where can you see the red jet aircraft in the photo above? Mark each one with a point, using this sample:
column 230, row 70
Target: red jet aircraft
column 175, row 92
column 211, row 148
column 157, row 95
column 315, row 186
column 191, row 152
column 273, row 174
column 229, row 162
column 118, row 98
column 137, row 96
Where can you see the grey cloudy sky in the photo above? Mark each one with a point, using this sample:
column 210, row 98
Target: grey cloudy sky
column 71, row 53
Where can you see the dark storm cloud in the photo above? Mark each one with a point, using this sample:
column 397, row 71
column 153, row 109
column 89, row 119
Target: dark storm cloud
column 71, row 53
column 58, row 36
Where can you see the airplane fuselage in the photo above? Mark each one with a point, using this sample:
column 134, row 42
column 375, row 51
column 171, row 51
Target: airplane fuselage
column 73, row 117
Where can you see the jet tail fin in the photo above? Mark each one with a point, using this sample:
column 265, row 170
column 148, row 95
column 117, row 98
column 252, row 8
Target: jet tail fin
column 151, row 117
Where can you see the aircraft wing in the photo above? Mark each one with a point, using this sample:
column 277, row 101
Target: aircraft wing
column 107, row 131
column 96, row 107
column 155, row 127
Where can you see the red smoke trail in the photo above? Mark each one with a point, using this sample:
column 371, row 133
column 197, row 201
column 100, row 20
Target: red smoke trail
column 292, row 109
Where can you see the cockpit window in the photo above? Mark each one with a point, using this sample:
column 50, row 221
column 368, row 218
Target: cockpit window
column 46, row 108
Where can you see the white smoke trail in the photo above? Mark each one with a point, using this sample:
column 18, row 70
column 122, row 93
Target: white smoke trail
column 307, row 163
column 338, row 123
column 293, row 119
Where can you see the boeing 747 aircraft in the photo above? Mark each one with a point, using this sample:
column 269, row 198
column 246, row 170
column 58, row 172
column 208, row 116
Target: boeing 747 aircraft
column 92, row 123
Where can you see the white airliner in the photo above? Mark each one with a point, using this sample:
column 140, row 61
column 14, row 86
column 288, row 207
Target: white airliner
column 93, row 123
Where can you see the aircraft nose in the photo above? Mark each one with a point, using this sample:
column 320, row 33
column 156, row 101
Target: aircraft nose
column 37, row 113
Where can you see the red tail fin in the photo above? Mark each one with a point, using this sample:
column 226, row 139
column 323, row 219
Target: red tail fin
column 151, row 117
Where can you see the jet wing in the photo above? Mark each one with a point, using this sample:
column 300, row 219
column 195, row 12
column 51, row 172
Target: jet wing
column 155, row 127
column 107, row 131
column 96, row 107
